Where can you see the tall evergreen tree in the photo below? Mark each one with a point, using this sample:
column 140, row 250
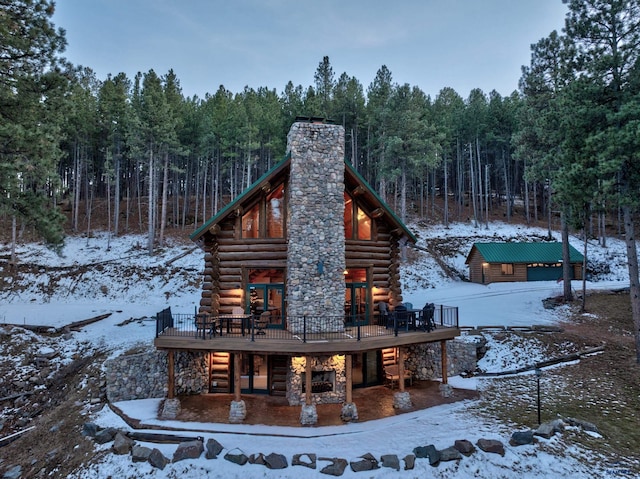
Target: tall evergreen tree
column 31, row 92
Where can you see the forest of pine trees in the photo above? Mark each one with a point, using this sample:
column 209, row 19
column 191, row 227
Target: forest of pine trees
column 565, row 145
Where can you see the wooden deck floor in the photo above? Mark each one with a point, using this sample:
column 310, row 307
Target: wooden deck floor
column 372, row 337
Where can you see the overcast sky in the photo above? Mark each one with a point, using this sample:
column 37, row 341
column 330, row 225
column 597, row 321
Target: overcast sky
column 432, row 44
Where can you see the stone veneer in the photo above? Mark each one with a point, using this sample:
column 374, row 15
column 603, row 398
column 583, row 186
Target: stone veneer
column 144, row 375
column 424, row 360
column 315, row 227
column 322, row 363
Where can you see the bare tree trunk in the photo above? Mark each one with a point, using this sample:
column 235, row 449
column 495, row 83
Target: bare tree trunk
column 634, row 283
column 566, row 260
column 78, row 183
column 165, row 189
column 116, row 195
column 473, row 186
column 14, row 239
column 108, row 211
column 445, row 214
column 403, row 195
column 507, row 190
column 150, row 216
column 486, row 194
column 479, row 188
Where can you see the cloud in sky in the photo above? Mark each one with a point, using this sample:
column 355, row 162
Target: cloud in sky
column 432, row 44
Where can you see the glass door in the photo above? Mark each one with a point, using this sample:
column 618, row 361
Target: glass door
column 253, row 374
column 356, row 303
column 268, row 297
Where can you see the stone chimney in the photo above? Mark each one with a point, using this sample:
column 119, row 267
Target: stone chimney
column 315, row 227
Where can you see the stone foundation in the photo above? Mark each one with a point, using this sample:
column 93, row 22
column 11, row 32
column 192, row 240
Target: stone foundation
column 237, row 412
column 170, row 408
column 349, row 412
column 402, row 400
column 308, row 415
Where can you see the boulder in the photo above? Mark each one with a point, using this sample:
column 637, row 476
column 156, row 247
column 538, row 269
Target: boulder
column 306, row 460
column 89, row 429
column 105, row 435
column 546, row 430
column 188, row 450
column 465, row 447
column 491, row 445
column 585, row 425
column 275, row 461
column 14, row 473
column 521, row 438
column 409, row 462
column 157, row 459
column 213, row 448
column 121, row 444
column 257, row 459
column 140, row 453
column 391, row 461
column 366, row 462
column 236, row 456
column 336, row 468
column 450, row 454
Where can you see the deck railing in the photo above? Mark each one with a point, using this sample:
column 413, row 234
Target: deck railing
column 353, row 328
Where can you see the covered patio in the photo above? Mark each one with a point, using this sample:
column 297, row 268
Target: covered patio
column 373, row 403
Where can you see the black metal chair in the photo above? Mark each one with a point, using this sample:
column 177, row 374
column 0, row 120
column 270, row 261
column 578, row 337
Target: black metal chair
column 426, row 317
column 401, row 317
column 383, row 309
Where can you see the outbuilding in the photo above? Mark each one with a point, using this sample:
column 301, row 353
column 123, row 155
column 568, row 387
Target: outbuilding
column 517, row 261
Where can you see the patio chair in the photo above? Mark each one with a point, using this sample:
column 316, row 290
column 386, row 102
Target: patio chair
column 237, row 319
column 383, row 318
column 426, row 317
column 205, row 324
column 261, row 322
column 392, row 375
column 401, row 317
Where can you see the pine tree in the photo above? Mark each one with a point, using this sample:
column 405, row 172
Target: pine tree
column 31, row 92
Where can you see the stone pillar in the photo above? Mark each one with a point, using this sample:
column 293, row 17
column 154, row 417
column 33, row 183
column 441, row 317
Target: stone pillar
column 238, row 409
column 402, row 400
column 443, row 357
column 315, row 228
column 349, row 411
column 170, row 408
column 172, row 374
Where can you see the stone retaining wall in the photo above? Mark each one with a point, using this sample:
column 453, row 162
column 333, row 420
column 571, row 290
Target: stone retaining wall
column 424, row 360
column 145, row 375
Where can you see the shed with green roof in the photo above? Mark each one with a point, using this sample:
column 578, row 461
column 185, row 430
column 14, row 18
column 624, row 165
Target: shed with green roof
column 516, row 261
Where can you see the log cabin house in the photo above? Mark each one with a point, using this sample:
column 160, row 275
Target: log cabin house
column 517, row 261
column 295, row 268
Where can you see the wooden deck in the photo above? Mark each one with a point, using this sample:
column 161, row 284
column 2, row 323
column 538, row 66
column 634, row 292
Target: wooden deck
column 372, row 337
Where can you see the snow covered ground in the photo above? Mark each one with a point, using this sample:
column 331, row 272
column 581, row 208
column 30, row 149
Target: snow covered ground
column 51, row 295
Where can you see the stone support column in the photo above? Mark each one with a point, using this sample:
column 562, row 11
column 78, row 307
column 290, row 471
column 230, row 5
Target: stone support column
column 172, row 374
column 238, row 409
column 349, row 411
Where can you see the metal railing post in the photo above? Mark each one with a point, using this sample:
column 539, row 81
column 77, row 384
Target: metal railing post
column 304, row 329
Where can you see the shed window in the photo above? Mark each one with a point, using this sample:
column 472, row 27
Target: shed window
column 507, row 269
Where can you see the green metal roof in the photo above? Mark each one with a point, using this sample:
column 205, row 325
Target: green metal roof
column 540, row 252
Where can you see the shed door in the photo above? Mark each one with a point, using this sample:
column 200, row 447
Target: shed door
column 545, row 272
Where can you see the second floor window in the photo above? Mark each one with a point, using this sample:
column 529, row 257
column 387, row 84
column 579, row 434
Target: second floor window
column 266, row 218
